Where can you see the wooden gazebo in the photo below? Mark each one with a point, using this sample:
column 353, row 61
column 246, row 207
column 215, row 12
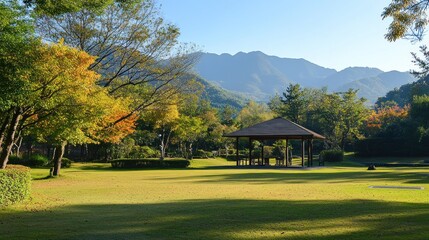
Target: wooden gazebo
column 278, row 129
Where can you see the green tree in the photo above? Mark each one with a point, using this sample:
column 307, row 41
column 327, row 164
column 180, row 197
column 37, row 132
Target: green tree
column 295, row 105
column 57, row 7
column 253, row 113
column 188, row 131
column 341, row 116
column 164, row 119
column 17, row 60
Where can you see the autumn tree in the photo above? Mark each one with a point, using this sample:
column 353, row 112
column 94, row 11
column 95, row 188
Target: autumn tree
column 383, row 117
column 137, row 52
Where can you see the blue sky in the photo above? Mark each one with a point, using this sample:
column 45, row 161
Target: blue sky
column 331, row 33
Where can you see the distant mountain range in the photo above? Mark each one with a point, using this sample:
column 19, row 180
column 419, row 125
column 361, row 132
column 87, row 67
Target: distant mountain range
column 259, row 76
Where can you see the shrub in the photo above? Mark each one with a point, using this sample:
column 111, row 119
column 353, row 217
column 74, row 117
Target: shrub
column 15, row 183
column 65, row 163
column 143, row 152
column 332, row 155
column 13, row 159
column 200, row 154
column 149, row 163
column 37, row 160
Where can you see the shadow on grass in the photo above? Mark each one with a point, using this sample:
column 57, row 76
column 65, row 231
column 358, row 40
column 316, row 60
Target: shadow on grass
column 223, row 219
column 283, row 176
column 42, row 178
column 108, row 167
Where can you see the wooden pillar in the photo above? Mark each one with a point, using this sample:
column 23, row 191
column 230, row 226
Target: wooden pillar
column 311, row 152
column 302, row 152
column 286, row 153
column 237, row 156
column 250, row 151
column 262, row 152
column 308, row 153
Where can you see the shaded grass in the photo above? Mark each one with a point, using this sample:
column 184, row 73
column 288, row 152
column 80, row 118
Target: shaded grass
column 227, row 219
column 93, row 201
column 390, row 160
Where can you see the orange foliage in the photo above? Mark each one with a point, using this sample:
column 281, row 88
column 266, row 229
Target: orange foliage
column 384, row 116
column 114, row 133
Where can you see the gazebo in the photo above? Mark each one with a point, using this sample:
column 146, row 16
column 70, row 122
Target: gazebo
column 277, row 129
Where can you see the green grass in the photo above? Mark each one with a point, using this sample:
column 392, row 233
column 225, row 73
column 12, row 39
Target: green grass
column 213, row 200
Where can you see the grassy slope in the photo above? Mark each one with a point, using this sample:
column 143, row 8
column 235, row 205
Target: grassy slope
column 92, row 201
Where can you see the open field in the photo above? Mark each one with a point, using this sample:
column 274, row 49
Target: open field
column 93, row 201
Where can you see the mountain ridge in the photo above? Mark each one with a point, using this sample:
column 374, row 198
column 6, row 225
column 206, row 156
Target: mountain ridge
column 259, row 76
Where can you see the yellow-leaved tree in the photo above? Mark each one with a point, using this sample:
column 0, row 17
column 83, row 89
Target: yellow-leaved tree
column 69, row 106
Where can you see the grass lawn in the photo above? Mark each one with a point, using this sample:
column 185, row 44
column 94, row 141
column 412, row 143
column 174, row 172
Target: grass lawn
column 93, row 201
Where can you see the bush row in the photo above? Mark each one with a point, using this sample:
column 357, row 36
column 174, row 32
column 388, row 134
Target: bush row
column 15, row 184
column 38, row 160
column 149, row 163
column 331, row 155
column 383, row 147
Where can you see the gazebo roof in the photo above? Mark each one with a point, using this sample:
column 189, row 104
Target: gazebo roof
column 277, row 128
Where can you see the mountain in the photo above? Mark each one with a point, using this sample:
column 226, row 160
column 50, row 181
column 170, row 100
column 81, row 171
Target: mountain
column 372, row 88
column 256, row 74
column 260, row 76
column 348, row 75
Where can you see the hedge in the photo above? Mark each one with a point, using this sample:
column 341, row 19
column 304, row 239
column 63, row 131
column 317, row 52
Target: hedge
column 150, row 163
column 396, row 147
column 15, row 184
column 35, row 160
column 331, row 155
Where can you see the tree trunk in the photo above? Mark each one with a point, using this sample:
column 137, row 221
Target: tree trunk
column 3, row 129
column 190, row 151
column 58, row 156
column 18, row 145
column 10, row 138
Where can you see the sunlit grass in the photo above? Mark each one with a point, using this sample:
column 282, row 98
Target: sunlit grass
column 214, row 200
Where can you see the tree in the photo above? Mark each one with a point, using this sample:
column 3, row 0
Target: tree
column 17, row 60
column 409, row 20
column 164, row 119
column 62, row 102
column 340, row 116
column 420, row 112
column 137, row 52
column 57, row 7
column 253, row 113
column 383, row 117
column 294, row 107
column 188, row 131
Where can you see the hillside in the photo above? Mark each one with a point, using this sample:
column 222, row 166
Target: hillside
column 220, row 97
column 402, row 95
